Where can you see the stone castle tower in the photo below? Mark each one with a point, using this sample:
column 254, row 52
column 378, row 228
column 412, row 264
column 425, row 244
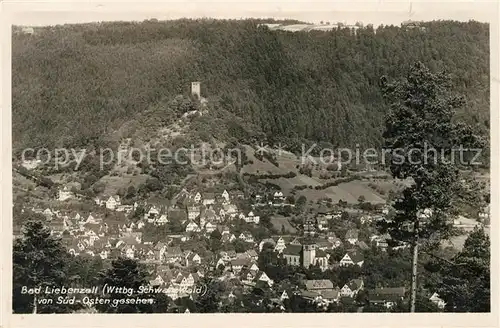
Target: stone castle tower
column 196, row 89
column 309, row 246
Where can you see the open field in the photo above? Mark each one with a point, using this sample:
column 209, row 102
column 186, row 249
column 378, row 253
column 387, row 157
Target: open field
column 348, row 192
column 287, row 185
column 279, row 221
column 261, row 167
column 115, row 183
column 459, row 241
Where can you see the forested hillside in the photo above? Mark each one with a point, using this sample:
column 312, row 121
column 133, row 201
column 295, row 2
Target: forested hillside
column 74, row 84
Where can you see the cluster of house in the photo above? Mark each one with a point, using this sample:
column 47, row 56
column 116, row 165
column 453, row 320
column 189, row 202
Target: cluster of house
column 177, row 271
column 66, row 193
column 276, row 199
column 97, row 234
column 114, row 203
column 322, row 292
column 299, row 251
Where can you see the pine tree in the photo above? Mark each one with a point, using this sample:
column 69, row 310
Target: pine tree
column 128, row 274
column 39, row 261
column 423, row 137
column 464, row 282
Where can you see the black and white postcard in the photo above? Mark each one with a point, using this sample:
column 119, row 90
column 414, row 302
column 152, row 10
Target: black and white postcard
column 251, row 158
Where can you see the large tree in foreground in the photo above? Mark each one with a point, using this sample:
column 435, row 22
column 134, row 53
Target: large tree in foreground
column 128, row 275
column 464, row 281
column 429, row 148
column 39, row 261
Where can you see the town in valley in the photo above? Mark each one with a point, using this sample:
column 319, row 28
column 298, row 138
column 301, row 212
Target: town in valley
column 240, row 220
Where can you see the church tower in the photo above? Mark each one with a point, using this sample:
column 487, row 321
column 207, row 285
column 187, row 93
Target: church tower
column 308, row 245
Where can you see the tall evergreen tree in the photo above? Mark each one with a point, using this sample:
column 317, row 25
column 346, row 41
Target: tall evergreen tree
column 464, row 281
column 423, row 138
column 39, row 261
column 128, row 274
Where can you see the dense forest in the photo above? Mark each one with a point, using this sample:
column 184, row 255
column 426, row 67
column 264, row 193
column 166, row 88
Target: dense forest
column 73, row 84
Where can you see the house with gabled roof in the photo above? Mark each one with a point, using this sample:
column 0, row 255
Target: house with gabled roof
column 210, row 227
column 48, row 212
column 238, row 264
column 193, row 259
column 65, row 194
column 128, row 251
column 188, row 280
column 440, row 303
column 157, row 281
column 162, row 219
column 278, row 196
column 352, row 288
column 252, row 254
column 251, row 218
column 320, row 291
column 208, row 198
column 296, row 241
column 172, row 254
column 262, row 276
column 208, row 215
column 197, row 197
column 112, row 202
column 231, row 210
column 318, row 284
column 219, row 210
column 193, row 212
column 366, row 219
column 246, row 276
column 192, row 227
column 352, row 258
column 247, row 237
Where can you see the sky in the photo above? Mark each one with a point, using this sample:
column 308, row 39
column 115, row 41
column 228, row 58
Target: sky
column 367, row 12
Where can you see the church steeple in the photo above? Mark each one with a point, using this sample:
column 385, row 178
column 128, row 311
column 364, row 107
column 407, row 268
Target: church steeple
column 308, row 244
column 309, row 230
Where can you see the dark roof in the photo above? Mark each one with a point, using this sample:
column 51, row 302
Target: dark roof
column 330, row 294
column 173, row 251
column 355, row 256
column 319, row 284
column 362, row 245
column 292, row 250
column 324, row 210
column 177, row 214
column 240, row 261
column 397, row 291
column 320, row 253
column 209, row 195
column 309, row 294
